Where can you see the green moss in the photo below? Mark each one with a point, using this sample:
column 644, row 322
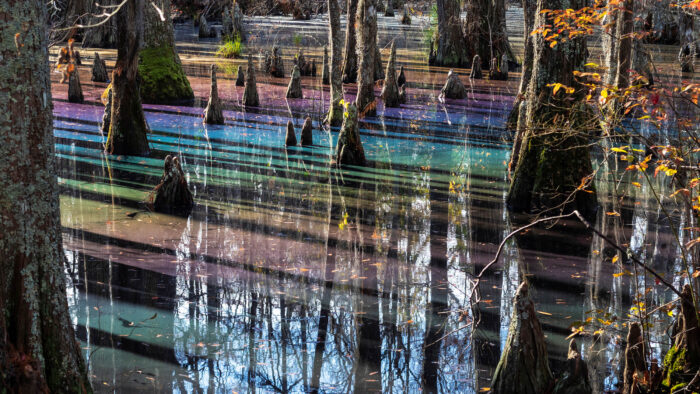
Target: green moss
column 674, row 365
column 162, row 78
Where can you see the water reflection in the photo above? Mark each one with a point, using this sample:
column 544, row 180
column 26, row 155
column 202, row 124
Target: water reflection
column 291, row 276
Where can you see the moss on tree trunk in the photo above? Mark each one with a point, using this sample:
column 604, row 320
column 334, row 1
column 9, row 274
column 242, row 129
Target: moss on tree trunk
column 163, row 80
column 38, row 349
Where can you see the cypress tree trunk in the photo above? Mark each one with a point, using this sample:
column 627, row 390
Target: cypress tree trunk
column 128, row 129
column 350, row 61
column 554, row 160
column 38, row 350
column 104, row 35
column 529, row 7
column 517, row 114
column 485, row 30
column 449, row 47
column 366, row 50
column 163, row 79
column 335, row 112
column 624, row 57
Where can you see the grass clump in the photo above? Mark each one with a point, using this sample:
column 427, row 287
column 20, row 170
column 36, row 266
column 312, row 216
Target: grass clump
column 231, row 48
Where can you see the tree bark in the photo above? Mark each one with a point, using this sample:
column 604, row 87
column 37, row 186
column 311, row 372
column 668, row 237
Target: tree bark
column 163, row 79
column 624, row 57
column 38, row 350
column 485, row 30
column 523, row 363
column 449, row 47
column 350, row 61
column 335, row 112
column 553, row 161
column 529, row 7
column 128, row 128
column 366, row 51
column 104, row 35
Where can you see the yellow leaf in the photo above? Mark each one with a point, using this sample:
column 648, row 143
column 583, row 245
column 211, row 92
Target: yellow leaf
column 637, row 184
column 619, row 274
column 604, row 93
column 614, row 259
column 619, row 150
column 553, row 44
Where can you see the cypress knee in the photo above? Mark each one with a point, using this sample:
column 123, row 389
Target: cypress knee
column 349, row 150
column 99, row 69
column 401, row 80
column 75, row 90
column 307, row 133
column 454, row 88
column 240, row 77
column 390, row 92
column 213, row 114
column 476, row 72
column 172, row 195
column 291, row 138
column 294, row 87
column 250, row 94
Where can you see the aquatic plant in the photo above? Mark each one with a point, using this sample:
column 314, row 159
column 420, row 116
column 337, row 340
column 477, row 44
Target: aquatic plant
column 231, row 48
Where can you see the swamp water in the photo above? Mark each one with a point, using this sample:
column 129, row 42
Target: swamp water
column 290, row 275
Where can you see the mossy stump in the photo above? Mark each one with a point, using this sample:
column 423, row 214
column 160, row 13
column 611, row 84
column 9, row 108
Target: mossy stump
column 307, row 133
column 294, row 88
column 163, row 81
column 454, row 88
column 107, row 116
column 214, row 113
column 172, row 195
column 682, row 361
column 523, row 364
column 291, row 138
column 635, row 358
column 349, row 150
column 250, row 94
column 390, row 91
column 99, row 70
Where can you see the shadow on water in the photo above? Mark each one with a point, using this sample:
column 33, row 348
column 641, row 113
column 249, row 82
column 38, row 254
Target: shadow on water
column 292, row 276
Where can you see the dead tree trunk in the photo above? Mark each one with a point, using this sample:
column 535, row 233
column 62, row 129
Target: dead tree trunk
column 449, row 49
column 554, row 160
column 38, row 350
column 163, row 79
column 128, row 128
column 366, row 50
column 485, row 30
column 335, row 112
column 350, row 61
